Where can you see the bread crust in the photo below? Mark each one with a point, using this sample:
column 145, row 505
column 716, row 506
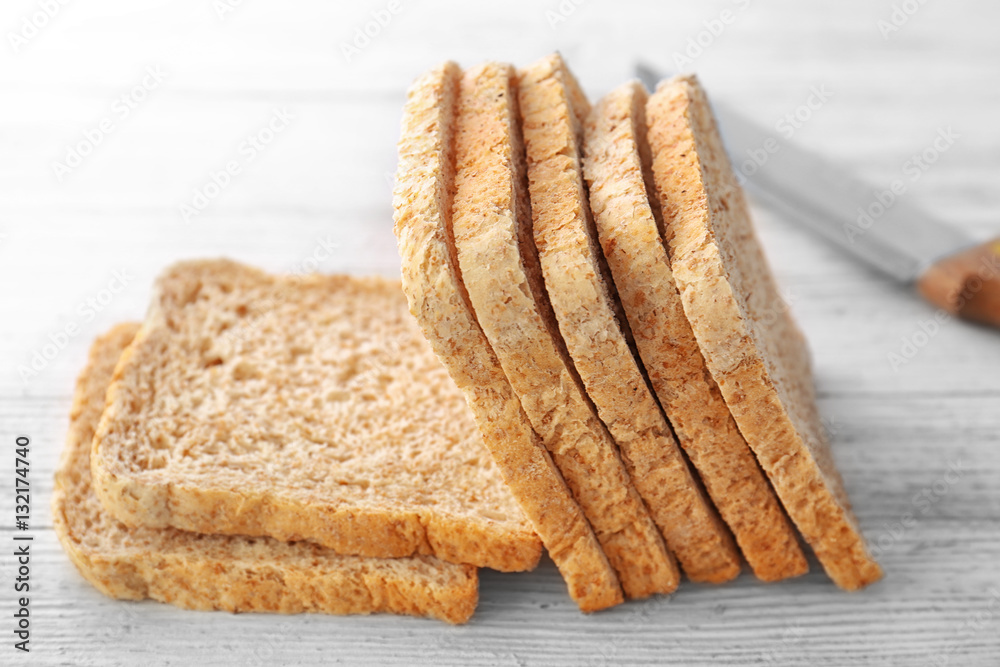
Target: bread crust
column 628, row 223
column 492, row 229
column 252, row 456
column 438, row 300
column 227, row 573
column 554, row 111
column 753, row 348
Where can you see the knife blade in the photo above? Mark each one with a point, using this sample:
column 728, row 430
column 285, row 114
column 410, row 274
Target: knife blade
column 876, row 225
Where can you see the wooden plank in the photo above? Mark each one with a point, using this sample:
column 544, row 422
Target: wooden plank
column 321, row 188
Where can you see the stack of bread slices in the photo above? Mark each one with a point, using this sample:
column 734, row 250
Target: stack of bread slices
column 587, row 352
column 591, row 279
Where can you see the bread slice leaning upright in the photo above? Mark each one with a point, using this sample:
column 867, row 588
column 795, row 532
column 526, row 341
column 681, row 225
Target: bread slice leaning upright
column 628, row 222
column 425, row 183
column 301, row 408
column 584, row 304
column 752, row 346
column 227, row 572
column 492, row 226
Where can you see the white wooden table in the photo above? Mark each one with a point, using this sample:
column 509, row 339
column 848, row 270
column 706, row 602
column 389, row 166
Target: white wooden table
column 323, row 179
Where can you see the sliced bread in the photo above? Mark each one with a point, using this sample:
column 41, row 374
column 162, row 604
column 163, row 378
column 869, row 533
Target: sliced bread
column 425, row 181
column 229, row 573
column 492, row 232
column 554, row 110
column 628, row 223
column 751, row 345
column 301, row 408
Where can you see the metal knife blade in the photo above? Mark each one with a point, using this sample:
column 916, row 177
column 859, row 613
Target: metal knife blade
column 873, row 223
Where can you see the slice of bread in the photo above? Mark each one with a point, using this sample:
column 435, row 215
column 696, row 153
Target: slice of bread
column 301, row 408
column 230, row 573
column 751, row 344
column 554, row 110
column 628, row 222
column 492, row 232
column 425, row 181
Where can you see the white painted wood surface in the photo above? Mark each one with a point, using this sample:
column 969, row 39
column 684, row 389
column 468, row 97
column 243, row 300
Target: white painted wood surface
column 325, row 179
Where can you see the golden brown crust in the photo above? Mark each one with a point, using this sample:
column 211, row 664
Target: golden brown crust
column 228, row 573
column 495, row 251
column 617, row 168
column 751, row 344
column 437, row 298
column 218, row 433
column 554, row 109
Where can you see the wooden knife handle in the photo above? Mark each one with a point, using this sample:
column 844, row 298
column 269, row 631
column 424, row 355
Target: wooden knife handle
column 966, row 284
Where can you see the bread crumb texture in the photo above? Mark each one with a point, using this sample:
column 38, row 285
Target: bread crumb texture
column 302, row 408
column 752, row 346
column 629, row 224
column 423, row 198
column 596, row 332
column 492, row 229
column 227, row 572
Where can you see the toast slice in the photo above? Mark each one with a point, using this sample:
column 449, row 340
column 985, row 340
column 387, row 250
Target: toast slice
column 492, row 231
column 752, row 346
column 555, row 110
column 301, row 408
column 433, row 284
column 628, row 222
column 230, row 573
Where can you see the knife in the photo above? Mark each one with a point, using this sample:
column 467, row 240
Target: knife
column 876, row 225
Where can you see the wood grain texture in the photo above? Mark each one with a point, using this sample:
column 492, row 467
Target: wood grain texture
column 319, row 196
